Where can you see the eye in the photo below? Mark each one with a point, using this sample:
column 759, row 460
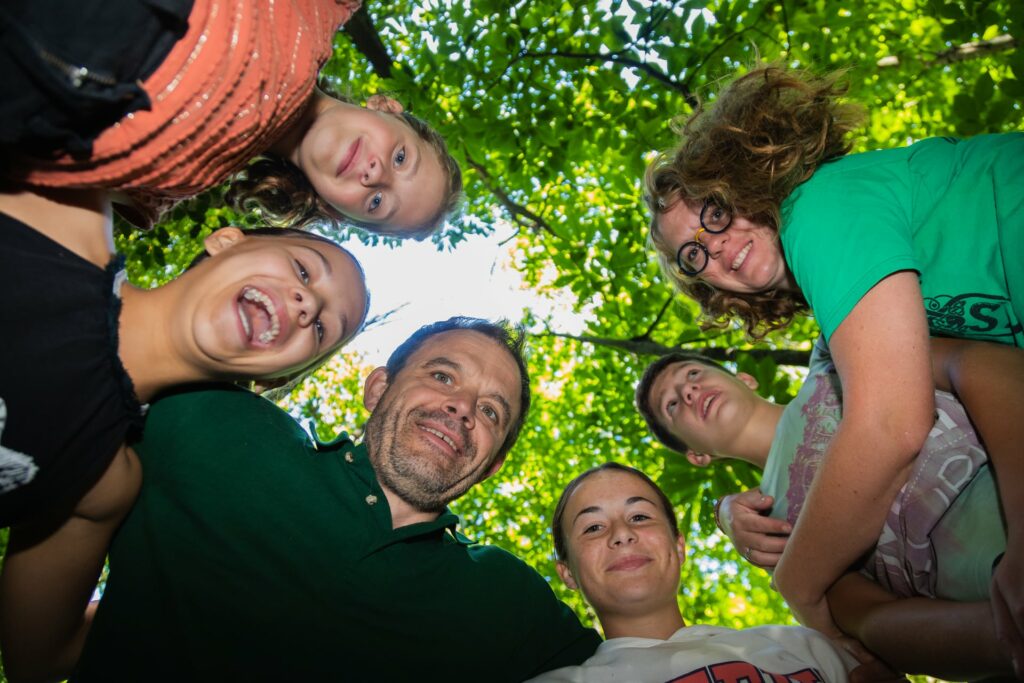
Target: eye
column 303, row 273
column 692, row 373
column 639, row 517
column 670, row 408
column 593, row 528
column 400, row 157
column 490, row 412
column 692, row 254
column 442, row 377
column 318, row 327
column 375, row 202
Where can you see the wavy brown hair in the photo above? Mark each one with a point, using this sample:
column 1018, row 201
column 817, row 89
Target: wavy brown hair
column 286, row 198
column 765, row 133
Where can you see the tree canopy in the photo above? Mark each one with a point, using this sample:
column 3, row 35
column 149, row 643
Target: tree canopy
column 553, row 108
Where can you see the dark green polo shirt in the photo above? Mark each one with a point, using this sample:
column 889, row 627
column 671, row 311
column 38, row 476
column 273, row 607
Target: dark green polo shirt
column 253, row 553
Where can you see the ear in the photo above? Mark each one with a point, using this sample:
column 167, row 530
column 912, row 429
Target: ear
column 263, row 385
column 747, row 379
column 222, row 239
column 566, row 575
column 495, row 466
column 698, row 459
column 374, row 387
column 681, row 549
column 385, row 104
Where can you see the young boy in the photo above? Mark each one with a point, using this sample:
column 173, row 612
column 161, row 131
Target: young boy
column 944, row 530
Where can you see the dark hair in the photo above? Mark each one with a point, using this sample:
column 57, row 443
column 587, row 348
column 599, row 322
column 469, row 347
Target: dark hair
column 510, row 337
column 766, row 132
column 646, row 383
column 558, row 533
column 285, row 196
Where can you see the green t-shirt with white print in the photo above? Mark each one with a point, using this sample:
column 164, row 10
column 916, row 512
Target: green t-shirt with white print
column 951, row 210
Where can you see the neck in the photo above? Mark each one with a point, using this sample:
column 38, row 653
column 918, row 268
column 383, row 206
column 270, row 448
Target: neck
column 79, row 220
column 147, row 346
column 404, row 514
column 659, row 624
column 755, row 441
column 287, row 145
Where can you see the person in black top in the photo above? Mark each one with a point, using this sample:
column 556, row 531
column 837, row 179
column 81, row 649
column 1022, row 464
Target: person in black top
column 82, row 352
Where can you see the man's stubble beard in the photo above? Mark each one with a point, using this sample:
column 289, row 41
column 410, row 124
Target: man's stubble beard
column 407, row 474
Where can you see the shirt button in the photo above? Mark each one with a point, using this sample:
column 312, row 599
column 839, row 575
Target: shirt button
column 349, row 458
column 371, row 499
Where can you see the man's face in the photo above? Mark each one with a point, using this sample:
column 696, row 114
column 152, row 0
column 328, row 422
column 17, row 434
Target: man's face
column 706, row 408
column 435, row 429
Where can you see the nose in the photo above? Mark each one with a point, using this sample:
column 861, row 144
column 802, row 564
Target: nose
column 306, row 304
column 459, row 406
column 713, row 242
column 689, row 392
column 622, row 534
column 375, row 172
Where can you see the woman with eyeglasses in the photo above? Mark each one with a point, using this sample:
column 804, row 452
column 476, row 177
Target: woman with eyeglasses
column 760, row 213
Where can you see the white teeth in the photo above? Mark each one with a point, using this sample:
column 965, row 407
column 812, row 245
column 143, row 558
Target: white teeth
column 259, row 297
column 707, row 402
column 742, row 256
column 443, row 436
column 245, row 322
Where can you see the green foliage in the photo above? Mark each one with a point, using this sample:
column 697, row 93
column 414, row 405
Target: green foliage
column 553, row 108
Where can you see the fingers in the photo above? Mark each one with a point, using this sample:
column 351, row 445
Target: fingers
column 754, row 499
column 762, row 558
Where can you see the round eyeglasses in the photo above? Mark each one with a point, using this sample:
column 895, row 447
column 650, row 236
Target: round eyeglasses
column 692, row 258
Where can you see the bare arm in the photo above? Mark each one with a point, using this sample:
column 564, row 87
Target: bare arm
column 882, row 357
column 989, row 380
column 50, row 573
column 950, row 640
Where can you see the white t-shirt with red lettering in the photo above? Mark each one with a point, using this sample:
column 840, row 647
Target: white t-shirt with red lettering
column 711, row 654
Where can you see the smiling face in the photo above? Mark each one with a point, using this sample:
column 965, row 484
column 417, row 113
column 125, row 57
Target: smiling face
column 437, row 427
column 371, row 166
column 621, row 550
column 263, row 307
column 704, row 407
column 746, row 258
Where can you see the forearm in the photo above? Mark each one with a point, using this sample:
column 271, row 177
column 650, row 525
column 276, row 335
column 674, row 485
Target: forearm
column 844, row 511
column 45, row 590
column 50, row 572
column 951, row 640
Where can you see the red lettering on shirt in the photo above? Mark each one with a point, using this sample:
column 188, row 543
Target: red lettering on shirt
column 745, row 672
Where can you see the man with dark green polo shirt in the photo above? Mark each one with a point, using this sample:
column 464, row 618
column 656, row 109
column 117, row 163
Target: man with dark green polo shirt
column 254, row 553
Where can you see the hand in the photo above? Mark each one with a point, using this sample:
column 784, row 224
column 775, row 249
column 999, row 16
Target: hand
column 757, row 537
column 875, row 671
column 814, row 614
column 1007, row 597
column 871, row 669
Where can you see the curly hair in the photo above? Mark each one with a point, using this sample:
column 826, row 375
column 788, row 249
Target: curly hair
column 286, row 198
column 764, row 134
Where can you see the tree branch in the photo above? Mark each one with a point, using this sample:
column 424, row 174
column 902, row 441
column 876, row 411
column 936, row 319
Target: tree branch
column 657, row 319
column 619, row 58
column 646, row 347
column 959, row 53
column 364, row 36
column 518, row 211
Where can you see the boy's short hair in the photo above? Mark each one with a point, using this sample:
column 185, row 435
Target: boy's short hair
column 643, row 394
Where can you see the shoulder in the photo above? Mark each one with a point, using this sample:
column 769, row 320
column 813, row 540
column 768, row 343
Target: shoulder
column 497, row 562
column 216, row 416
